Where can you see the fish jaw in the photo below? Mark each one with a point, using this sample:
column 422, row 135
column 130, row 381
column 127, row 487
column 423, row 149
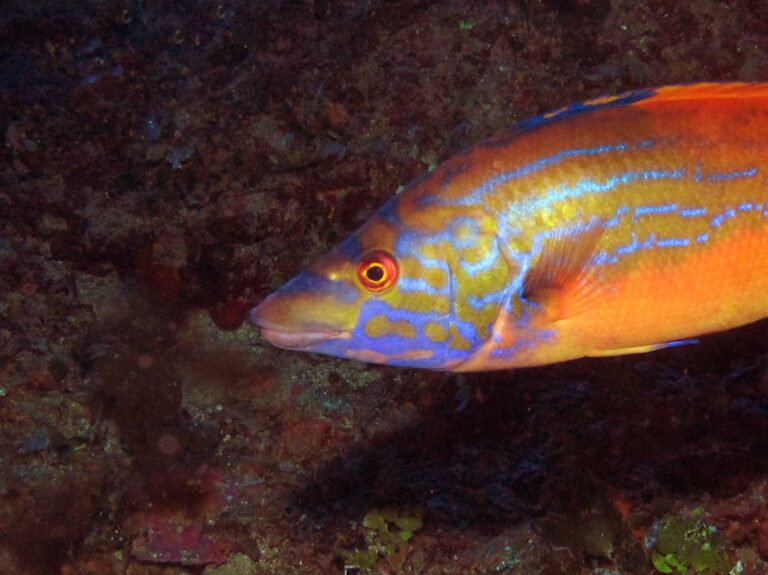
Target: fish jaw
column 299, row 338
column 307, row 313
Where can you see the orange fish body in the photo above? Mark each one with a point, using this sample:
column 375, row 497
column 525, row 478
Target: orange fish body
column 619, row 225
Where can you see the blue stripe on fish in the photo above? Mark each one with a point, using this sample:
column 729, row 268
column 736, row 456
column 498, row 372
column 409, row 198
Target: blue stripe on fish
column 673, row 242
column 693, row 212
column 733, row 175
column 476, row 195
column 587, row 186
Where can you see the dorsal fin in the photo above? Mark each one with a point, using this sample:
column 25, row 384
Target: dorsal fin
column 570, row 111
column 635, row 98
column 705, row 91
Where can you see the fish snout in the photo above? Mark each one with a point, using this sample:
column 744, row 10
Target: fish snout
column 292, row 323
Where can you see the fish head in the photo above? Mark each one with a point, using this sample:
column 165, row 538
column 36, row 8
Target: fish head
column 379, row 297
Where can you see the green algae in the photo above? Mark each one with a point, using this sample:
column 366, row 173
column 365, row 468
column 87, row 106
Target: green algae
column 686, row 545
column 237, row 564
column 387, row 532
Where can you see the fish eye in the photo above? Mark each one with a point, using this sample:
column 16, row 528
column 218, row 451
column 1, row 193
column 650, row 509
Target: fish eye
column 377, row 270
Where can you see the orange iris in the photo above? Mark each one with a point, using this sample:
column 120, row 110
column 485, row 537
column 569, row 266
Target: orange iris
column 377, row 270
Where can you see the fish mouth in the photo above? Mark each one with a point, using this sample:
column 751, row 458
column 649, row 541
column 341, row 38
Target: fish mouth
column 295, row 339
column 298, row 340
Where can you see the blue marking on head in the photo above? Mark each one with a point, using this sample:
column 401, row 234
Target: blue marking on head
column 673, row 242
column 692, row 212
column 488, row 261
column 420, row 285
column 374, row 307
column 468, row 332
column 350, row 248
column 701, row 238
column 388, row 212
column 392, row 345
column 409, row 241
column 451, row 233
column 494, row 297
column 732, row 175
column 429, row 262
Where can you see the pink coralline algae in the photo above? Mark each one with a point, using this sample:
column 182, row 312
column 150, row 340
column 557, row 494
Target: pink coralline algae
column 177, row 539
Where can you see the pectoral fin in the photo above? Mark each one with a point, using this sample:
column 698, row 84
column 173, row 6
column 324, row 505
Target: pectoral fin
column 564, row 280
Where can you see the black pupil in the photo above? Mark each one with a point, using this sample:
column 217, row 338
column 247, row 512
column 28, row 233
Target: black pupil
column 375, row 273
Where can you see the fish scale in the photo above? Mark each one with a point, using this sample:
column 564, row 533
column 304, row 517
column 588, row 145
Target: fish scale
column 619, row 225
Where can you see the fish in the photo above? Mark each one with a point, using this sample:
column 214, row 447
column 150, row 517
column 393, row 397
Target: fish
column 618, row 225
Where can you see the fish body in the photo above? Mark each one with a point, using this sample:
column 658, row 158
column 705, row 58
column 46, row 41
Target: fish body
column 618, row 225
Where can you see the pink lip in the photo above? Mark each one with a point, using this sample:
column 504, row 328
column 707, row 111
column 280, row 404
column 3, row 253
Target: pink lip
column 297, row 339
column 286, row 338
